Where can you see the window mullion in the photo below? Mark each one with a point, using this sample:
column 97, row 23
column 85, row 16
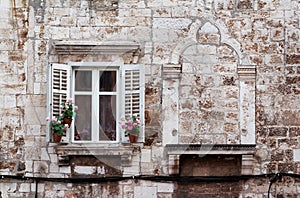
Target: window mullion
column 95, row 105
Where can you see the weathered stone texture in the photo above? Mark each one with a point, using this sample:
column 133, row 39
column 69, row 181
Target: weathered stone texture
column 204, row 102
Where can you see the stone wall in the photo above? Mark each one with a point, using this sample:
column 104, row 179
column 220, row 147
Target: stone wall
column 200, row 101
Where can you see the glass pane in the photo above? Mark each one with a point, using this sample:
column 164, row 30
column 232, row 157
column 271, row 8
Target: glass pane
column 83, row 119
column 83, row 80
column 107, row 118
column 107, row 81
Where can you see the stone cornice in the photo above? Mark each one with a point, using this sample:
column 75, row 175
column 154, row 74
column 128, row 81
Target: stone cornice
column 94, row 47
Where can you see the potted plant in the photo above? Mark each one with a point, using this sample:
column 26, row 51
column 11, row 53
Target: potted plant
column 131, row 125
column 58, row 127
column 68, row 111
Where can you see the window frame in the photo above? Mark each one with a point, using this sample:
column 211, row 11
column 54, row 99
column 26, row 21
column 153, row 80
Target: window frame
column 96, row 67
column 121, row 105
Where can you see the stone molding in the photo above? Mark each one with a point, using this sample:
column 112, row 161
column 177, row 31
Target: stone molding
column 219, row 149
column 93, row 47
column 125, row 151
column 247, row 71
column 172, row 71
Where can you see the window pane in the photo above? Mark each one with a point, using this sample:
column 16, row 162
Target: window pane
column 107, row 81
column 83, row 80
column 107, row 118
column 83, row 120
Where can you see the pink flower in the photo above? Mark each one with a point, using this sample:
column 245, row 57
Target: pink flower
column 58, row 122
column 130, row 127
column 123, row 126
column 130, row 122
column 47, row 119
column 123, row 118
column 54, row 119
column 138, row 121
column 135, row 124
column 76, row 108
column 70, row 100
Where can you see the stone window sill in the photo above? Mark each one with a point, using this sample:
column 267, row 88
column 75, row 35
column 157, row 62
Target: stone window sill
column 125, row 150
column 210, row 149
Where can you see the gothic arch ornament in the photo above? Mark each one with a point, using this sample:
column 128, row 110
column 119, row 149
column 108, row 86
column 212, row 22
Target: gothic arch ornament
column 172, row 73
column 213, row 25
column 246, row 72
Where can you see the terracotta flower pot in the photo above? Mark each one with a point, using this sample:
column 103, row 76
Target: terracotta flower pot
column 68, row 121
column 56, row 138
column 132, row 138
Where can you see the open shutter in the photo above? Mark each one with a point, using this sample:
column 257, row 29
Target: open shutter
column 133, row 87
column 60, row 85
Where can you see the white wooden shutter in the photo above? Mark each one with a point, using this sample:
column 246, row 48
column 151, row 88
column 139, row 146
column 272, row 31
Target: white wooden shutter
column 133, row 89
column 60, row 85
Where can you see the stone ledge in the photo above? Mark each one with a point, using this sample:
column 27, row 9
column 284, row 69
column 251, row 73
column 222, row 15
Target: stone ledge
column 125, row 151
column 94, row 47
column 210, row 149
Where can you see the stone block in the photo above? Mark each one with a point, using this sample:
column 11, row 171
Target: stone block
column 59, row 33
column 162, row 12
column 87, row 170
column 24, row 187
column 4, row 56
column 146, row 192
column 61, row 11
column 33, row 129
column 44, row 154
column 165, row 187
column 40, row 167
column 296, row 154
column 65, row 169
column 168, row 23
column 146, row 155
column 53, row 168
column 131, row 170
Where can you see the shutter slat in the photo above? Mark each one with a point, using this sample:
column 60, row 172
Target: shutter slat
column 60, row 89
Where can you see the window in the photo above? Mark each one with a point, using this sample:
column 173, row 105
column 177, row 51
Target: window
column 103, row 92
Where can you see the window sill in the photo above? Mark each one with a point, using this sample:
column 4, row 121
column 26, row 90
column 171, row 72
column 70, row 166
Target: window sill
column 211, row 149
column 125, row 150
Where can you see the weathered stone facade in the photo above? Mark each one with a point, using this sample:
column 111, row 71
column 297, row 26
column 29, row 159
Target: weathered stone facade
column 222, row 80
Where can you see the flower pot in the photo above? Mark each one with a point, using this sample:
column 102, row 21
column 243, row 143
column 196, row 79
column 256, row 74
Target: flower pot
column 56, row 138
column 68, row 121
column 132, row 138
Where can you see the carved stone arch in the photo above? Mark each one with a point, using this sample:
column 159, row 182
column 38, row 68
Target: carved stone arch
column 225, row 38
column 209, row 32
